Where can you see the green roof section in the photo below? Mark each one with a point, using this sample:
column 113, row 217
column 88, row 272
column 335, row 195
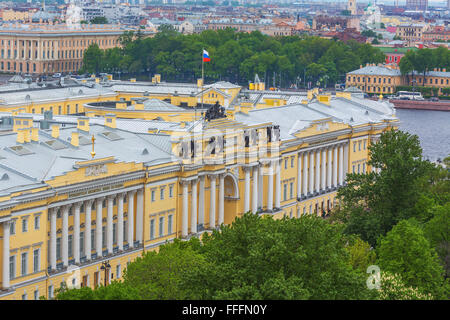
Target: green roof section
column 399, row 50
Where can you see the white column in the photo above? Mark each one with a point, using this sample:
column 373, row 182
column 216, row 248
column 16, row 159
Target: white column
column 345, row 162
column 221, row 199
column 120, row 197
column 299, row 175
column 260, row 186
column 323, row 174
column 277, row 184
column 311, row 172
column 212, row 202
column 184, row 217
column 76, row 232
column 317, row 183
column 247, row 189
column 109, row 224
column 140, row 215
column 194, row 207
column 53, row 213
column 5, row 256
column 341, row 165
column 305, row 174
column 201, row 202
column 87, row 229
column 255, row 190
column 130, row 222
column 98, row 227
column 270, row 187
column 65, row 236
column 335, row 162
column 329, row 169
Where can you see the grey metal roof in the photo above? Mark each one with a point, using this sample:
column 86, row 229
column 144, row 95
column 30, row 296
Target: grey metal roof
column 376, row 71
column 44, row 162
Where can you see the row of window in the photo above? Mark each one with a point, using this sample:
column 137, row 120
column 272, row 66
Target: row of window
column 12, row 225
column 357, row 168
column 59, row 109
column 364, row 143
column 24, row 263
column 62, row 43
column 369, row 79
column 162, row 193
column 161, row 226
column 63, row 66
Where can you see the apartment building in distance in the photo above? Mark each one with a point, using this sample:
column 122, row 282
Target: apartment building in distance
column 383, row 79
column 50, row 48
column 411, row 32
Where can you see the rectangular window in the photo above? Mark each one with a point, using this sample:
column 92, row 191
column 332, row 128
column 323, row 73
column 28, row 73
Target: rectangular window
column 114, row 233
column 36, row 260
column 169, row 224
column 353, row 169
column 118, row 275
column 24, row 263
column 125, row 230
column 284, row 191
column 153, row 195
column 92, row 239
column 70, row 245
column 25, row 225
column 12, row 227
column 24, row 296
column 161, row 193
column 103, row 236
column 285, row 163
column 291, row 190
column 359, row 167
column 37, row 220
column 161, row 226
column 365, row 144
column 12, row 267
column 364, row 167
column 36, row 294
column 50, row 291
column 58, row 248
column 82, row 244
column 354, row 146
column 171, row 191
column 359, row 145
column 152, row 229
column 292, row 161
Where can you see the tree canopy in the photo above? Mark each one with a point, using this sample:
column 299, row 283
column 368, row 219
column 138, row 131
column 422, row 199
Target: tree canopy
column 235, row 56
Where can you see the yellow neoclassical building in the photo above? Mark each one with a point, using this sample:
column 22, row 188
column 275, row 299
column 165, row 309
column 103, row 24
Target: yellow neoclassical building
column 77, row 191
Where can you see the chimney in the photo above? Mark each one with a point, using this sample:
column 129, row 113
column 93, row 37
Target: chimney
column 20, row 136
column 55, row 131
column 83, row 124
column 110, row 120
column 74, row 140
column 35, row 134
column 26, row 135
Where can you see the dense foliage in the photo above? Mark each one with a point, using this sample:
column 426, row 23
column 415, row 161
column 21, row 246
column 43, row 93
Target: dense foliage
column 396, row 220
column 423, row 60
column 235, row 57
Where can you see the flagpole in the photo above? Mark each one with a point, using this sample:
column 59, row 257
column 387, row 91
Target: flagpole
column 203, row 76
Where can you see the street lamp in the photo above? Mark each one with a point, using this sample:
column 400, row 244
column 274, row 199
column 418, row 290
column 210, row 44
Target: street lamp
column 105, row 266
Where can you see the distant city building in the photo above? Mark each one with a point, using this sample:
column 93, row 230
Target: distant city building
column 44, row 49
column 411, row 33
column 351, row 6
column 418, row 5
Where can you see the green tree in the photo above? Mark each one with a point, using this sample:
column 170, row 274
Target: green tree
column 373, row 203
column 406, row 251
column 263, row 258
column 163, row 275
column 92, row 59
column 99, row 20
column 392, row 287
column 361, row 254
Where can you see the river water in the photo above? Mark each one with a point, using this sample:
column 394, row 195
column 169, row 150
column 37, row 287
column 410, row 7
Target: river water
column 432, row 128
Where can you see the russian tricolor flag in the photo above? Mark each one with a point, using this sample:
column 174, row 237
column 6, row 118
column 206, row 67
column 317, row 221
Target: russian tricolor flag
column 206, row 56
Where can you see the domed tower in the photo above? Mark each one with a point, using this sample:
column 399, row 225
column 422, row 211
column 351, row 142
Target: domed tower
column 351, row 6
